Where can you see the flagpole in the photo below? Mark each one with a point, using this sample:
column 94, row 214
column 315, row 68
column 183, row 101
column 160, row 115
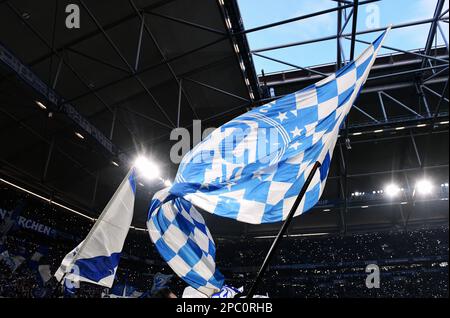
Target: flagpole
column 283, row 229
column 58, row 285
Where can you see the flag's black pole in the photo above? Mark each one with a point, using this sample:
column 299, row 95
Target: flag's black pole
column 55, row 291
column 282, row 230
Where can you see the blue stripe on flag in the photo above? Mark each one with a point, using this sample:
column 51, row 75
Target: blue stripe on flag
column 96, row 268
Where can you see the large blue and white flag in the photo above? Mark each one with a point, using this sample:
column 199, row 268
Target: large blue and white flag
column 95, row 260
column 252, row 169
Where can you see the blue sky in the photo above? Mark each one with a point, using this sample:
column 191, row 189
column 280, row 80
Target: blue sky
column 259, row 12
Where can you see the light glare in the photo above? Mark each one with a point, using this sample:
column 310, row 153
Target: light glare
column 167, row 183
column 424, row 187
column 392, row 190
column 41, row 105
column 146, row 168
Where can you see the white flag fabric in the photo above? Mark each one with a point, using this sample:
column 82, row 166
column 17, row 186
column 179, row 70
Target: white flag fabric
column 45, row 273
column 95, row 260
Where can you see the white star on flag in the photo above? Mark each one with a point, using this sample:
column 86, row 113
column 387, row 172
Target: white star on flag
column 282, row 116
column 296, row 132
column 295, row 145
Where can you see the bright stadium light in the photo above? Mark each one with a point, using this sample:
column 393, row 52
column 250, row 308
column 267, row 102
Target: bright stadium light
column 41, row 105
column 146, row 168
column 424, row 187
column 392, row 190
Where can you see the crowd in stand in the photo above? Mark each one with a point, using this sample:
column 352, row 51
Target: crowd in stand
column 334, row 249
column 412, row 263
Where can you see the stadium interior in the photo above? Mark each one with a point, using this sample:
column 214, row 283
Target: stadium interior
column 78, row 106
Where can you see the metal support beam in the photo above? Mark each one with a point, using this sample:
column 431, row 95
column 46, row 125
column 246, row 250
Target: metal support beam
column 216, row 89
column 402, row 51
column 56, row 102
column 342, row 210
column 434, row 93
column 347, row 20
column 383, row 109
column 62, row 103
column 302, row 17
column 438, row 106
column 422, row 96
column 162, row 54
column 96, row 32
column 365, row 114
column 58, row 71
column 347, row 120
column 444, row 37
column 124, row 60
column 185, row 22
column 339, row 32
column 42, row 138
column 47, row 162
column 433, row 27
column 416, row 150
column 400, row 103
column 292, row 65
column 148, row 68
column 419, row 70
column 354, row 24
column 100, row 61
column 390, row 172
column 138, row 50
column 113, row 124
column 333, row 37
column 180, row 91
column 436, row 74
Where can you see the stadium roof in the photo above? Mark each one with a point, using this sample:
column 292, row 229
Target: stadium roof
column 137, row 69
column 122, row 71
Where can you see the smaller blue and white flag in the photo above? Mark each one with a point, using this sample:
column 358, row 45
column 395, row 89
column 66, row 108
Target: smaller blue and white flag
column 160, row 281
column 184, row 241
column 123, row 291
column 228, row 292
column 42, row 271
column 12, row 262
column 70, row 287
column 95, row 260
column 10, row 219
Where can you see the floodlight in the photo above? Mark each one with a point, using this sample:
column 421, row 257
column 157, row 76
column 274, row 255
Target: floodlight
column 392, row 190
column 424, row 187
column 146, row 168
